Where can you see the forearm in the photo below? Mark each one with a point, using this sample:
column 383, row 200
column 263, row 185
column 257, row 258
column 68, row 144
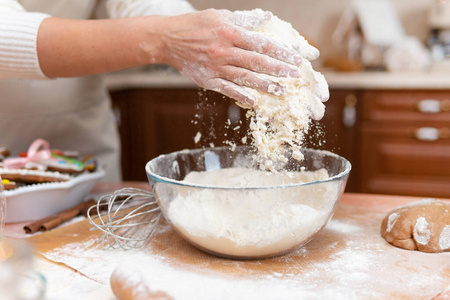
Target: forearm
column 69, row 48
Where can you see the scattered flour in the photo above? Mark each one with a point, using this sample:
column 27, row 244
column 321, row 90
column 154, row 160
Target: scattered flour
column 391, row 221
column 444, row 239
column 197, row 137
column 355, row 264
column 422, row 233
column 343, row 227
column 280, row 120
column 252, row 222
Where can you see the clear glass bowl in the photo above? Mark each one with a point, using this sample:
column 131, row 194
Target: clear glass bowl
column 250, row 222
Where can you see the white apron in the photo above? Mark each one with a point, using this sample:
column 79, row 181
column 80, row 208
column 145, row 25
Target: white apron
column 71, row 114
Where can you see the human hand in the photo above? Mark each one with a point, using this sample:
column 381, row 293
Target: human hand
column 218, row 50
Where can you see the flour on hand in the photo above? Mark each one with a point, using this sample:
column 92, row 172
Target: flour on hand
column 279, row 122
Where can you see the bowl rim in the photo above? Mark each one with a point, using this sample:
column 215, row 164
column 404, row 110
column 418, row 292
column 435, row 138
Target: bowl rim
column 162, row 179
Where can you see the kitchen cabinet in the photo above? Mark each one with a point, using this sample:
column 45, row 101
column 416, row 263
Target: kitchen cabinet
column 397, row 140
column 405, row 142
column 337, row 131
column 154, row 121
column 159, row 121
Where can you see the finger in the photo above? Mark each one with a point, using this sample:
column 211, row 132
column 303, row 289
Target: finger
column 232, row 90
column 317, row 84
column 316, row 80
column 316, row 108
column 302, row 46
column 261, row 63
column 253, row 80
column 258, row 42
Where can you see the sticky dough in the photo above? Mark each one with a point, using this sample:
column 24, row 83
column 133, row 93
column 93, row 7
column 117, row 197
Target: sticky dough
column 422, row 226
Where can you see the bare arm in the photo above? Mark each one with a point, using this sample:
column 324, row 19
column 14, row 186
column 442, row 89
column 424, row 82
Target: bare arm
column 71, row 48
column 212, row 47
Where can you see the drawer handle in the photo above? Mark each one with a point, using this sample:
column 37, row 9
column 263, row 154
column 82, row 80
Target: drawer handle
column 234, row 114
column 431, row 133
column 349, row 111
column 431, row 106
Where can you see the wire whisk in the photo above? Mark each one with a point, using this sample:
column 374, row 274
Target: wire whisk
column 127, row 218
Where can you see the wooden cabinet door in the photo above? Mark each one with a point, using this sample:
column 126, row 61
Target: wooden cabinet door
column 395, row 162
column 160, row 121
column 153, row 122
column 405, row 151
column 337, row 131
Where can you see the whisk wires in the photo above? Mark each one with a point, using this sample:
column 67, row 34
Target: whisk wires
column 127, row 218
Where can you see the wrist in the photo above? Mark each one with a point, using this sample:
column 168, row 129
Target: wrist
column 151, row 45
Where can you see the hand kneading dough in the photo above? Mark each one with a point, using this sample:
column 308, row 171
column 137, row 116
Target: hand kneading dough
column 422, row 225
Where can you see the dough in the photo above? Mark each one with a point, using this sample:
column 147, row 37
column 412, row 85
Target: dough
column 423, row 225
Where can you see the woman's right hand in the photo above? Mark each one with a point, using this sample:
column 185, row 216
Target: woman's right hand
column 218, row 51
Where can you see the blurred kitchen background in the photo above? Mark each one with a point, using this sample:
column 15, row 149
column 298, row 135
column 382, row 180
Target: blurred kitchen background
column 386, row 62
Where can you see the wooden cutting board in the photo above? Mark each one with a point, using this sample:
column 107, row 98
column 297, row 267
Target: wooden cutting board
column 348, row 259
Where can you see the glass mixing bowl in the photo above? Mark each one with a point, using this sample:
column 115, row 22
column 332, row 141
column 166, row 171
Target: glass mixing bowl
column 218, row 216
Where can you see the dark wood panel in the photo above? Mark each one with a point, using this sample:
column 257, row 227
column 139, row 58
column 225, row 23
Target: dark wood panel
column 337, row 135
column 403, row 105
column 394, row 158
column 160, row 121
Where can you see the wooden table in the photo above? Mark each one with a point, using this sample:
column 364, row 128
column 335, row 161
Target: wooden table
column 348, row 259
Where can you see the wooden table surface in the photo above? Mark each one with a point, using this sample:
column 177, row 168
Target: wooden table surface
column 348, row 259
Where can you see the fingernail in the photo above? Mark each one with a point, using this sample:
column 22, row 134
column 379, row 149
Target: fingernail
column 276, row 90
column 250, row 101
column 315, row 53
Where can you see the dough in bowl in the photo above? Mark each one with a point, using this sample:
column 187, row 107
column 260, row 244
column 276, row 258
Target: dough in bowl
column 423, row 225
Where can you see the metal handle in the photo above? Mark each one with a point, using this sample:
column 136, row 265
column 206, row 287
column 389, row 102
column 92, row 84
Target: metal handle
column 234, row 114
column 431, row 106
column 431, row 133
column 349, row 111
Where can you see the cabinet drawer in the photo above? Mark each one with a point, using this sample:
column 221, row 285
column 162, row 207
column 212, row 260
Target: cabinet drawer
column 395, row 163
column 410, row 106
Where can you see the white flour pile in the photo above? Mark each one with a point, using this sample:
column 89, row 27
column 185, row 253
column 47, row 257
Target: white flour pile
column 278, row 123
column 254, row 222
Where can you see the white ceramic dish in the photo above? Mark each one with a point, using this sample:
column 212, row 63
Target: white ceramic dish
column 38, row 201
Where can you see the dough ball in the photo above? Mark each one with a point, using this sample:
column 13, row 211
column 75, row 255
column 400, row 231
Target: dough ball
column 423, row 225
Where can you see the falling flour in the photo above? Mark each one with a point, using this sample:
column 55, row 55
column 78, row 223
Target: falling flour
column 251, row 222
column 281, row 120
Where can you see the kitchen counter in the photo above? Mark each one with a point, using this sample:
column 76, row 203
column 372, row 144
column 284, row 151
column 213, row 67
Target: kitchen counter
column 348, row 259
column 170, row 78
